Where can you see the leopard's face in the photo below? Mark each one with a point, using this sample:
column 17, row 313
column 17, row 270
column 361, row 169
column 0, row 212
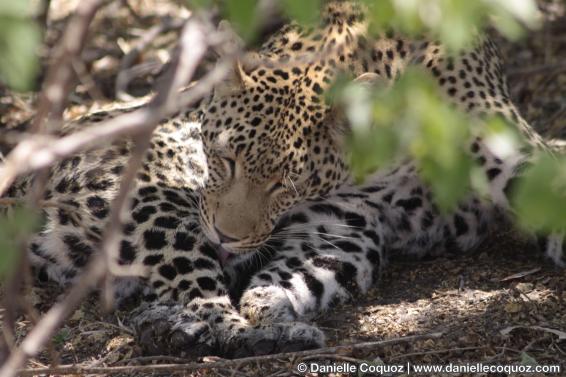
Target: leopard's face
column 267, row 149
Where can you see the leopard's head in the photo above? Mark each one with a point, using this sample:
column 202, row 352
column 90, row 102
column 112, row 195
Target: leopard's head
column 271, row 141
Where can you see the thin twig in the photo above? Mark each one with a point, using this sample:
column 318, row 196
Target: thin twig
column 436, row 352
column 96, row 269
column 333, row 357
column 60, row 75
column 150, row 359
column 132, row 11
column 113, row 234
column 43, row 15
column 150, row 67
column 38, row 153
column 170, row 368
column 53, row 97
column 88, row 81
column 181, row 71
column 51, row 105
column 124, row 74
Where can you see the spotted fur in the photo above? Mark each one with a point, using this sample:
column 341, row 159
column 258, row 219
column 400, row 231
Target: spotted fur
column 261, row 169
column 276, row 110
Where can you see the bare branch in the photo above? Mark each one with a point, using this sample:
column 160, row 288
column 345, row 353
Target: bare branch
column 60, row 75
column 141, row 123
column 59, row 79
column 170, row 368
column 125, row 74
column 51, row 105
column 40, row 152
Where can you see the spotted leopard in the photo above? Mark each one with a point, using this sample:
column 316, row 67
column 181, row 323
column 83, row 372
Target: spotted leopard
column 243, row 215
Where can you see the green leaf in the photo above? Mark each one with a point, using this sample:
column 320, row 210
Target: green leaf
column 61, row 337
column 199, row 4
column 17, row 8
column 19, row 39
column 527, row 359
column 242, row 15
column 511, row 15
column 455, row 23
column 13, row 230
column 8, row 258
column 449, row 182
column 371, row 151
column 303, row 11
column 412, row 119
column 540, row 196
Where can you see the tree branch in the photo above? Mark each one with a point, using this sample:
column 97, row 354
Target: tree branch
column 170, row 368
column 60, row 75
column 140, row 123
column 40, row 152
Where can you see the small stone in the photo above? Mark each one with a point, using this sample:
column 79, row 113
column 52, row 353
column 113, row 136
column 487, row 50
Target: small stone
column 525, row 287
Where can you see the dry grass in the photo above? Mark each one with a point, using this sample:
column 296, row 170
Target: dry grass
column 467, row 298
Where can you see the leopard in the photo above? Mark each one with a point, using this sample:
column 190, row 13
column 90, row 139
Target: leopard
column 244, row 217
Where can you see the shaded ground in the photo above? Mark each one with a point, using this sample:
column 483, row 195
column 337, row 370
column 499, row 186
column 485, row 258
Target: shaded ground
column 468, row 298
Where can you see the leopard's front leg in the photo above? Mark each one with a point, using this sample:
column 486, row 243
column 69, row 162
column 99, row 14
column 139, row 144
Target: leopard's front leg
column 212, row 326
column 191, row 314
column 334, row 261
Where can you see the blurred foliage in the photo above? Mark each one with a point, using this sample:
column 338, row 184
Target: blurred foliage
column 454, row 22
column 304, row 11
column 412, row 119
column 401, row 123
column 61, row 337
column 409, row 118
column 245, row 14
column 540, row 198
column 527, row 359
column 19, row 38
column 14, row 229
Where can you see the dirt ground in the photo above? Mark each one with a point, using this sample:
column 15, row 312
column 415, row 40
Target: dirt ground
column 500, row 304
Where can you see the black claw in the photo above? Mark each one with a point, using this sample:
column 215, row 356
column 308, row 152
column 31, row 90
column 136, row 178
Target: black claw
column 157, row 338
column 264, row 347
column 179, row 339
column 146, row 341
column 298, row 346
column 161, row 328
column 239, row 353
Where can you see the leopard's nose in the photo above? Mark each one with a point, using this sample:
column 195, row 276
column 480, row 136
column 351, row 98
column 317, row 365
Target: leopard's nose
column 224, row 238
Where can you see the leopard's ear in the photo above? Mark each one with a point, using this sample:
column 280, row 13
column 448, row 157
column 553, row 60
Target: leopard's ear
column 237, row 77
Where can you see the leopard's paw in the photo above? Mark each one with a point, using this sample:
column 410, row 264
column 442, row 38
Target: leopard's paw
column 168, row 329
column 274, row 338
column 268, row 304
